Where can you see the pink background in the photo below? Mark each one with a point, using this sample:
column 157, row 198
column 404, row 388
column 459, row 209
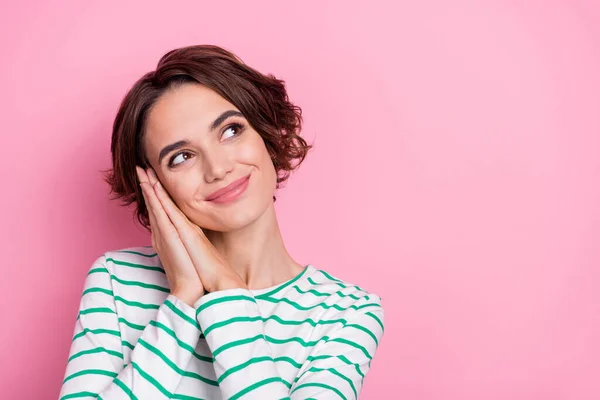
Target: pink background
column 456, row 173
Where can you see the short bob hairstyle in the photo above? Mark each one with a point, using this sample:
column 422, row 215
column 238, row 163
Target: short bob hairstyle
column 262, row 99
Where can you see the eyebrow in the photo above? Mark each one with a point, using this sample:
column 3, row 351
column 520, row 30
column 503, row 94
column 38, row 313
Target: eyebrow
column 181, row 143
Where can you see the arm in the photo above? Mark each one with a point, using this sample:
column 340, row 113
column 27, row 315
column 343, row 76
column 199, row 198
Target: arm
column 243, row 361
column 96, row 366
column 337, row 367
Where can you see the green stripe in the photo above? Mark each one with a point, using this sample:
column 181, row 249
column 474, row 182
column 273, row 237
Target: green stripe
column 353, row 344
column 78, row 395
column 370, row 314
column 255, row 386
column 90, row 372
column 133, row 265
column 125, row 389
column 137, row 304
column 131, row 324
column 368, row 332
column 223, row 300
column 275, row 318
column 277, row 289
column 333, row 371
column 322, row 385
column 129, row 283
column 302, row 342
column 305, row 321
column 270, row 339
column 230, row 321
column 140, row 284
column 174, row 366
column 150, row 379
column 344, row 284
column 181, row 344
column 312, row 282
column 316, row 293
column 96, row 331
column 340, row 357
column 182, row 315
column 127, row 344
column 337, row 282
column 98, row 270
column 96, row 310
column 94, row 351
column 251, row 361
column 326, row 306
column 340, row 284
column 185, row 397
column 256, row 360
column 135, row 252
column 97, row 289
column 288, row 360
column 170, row 333
column 331, row 278
column 236, row 343
column 366, row 305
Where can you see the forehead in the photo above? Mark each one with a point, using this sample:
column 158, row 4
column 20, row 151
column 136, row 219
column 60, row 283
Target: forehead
column 184, row 111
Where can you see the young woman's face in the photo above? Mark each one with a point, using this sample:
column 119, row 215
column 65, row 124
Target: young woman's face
column 218, row 147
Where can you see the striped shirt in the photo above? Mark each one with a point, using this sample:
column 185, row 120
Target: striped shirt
column 312, row 337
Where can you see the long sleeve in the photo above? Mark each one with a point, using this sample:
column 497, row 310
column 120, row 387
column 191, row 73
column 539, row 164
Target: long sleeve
column 244, row 364
column 337, row 366
column 96, row 366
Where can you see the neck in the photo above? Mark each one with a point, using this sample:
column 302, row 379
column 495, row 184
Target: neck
column 257, row 252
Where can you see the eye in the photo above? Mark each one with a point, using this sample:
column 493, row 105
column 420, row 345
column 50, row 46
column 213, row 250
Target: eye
column 180, row 156
column 234, row 128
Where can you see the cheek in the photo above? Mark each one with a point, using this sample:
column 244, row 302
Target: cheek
column 253, row 150
column 182, row 194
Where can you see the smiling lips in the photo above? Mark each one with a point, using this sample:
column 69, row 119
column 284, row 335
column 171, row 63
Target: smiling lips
column 229, row 192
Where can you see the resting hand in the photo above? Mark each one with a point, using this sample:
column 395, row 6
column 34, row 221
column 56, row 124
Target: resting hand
column 214, row 272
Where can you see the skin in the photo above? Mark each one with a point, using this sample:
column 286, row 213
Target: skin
column 202, row 244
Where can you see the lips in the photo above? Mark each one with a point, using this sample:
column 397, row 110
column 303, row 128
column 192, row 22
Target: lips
column 227, row 188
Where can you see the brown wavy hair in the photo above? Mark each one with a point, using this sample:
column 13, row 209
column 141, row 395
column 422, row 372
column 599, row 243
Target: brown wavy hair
column 262, row 99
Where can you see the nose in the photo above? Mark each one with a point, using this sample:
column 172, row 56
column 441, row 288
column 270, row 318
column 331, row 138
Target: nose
column 216, row 165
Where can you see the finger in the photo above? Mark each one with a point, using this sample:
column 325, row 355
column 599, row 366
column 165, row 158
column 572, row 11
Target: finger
column 151, row 217
column 177, row 254
column 163, row 222
column 204, row 257
column 194, row 240
column 145, row 185
column 178, row 218
column 142, row 176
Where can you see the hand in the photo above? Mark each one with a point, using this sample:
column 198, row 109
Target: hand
column 183, row 279
column 214, row 272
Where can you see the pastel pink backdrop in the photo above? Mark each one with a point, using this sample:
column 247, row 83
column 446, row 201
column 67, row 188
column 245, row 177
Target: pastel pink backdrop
column 456, row 173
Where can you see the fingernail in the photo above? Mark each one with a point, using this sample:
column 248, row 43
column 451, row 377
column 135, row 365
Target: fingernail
column 138, row 171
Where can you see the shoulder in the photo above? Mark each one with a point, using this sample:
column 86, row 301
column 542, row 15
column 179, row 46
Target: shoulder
column 342, row 300
column 328, row 285
column 339, row 294
column 139, row 260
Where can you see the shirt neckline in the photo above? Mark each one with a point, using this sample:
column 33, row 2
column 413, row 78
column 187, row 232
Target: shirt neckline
column 308, row 269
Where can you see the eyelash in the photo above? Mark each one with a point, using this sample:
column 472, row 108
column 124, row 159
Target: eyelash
column 239, row 127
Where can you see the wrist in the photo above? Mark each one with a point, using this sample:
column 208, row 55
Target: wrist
column 188, row 298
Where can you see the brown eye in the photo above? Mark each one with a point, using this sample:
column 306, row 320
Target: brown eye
column 235, row 130
column 179, row 155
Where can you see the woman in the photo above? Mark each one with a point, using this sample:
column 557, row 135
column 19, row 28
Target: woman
column 216, row 307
